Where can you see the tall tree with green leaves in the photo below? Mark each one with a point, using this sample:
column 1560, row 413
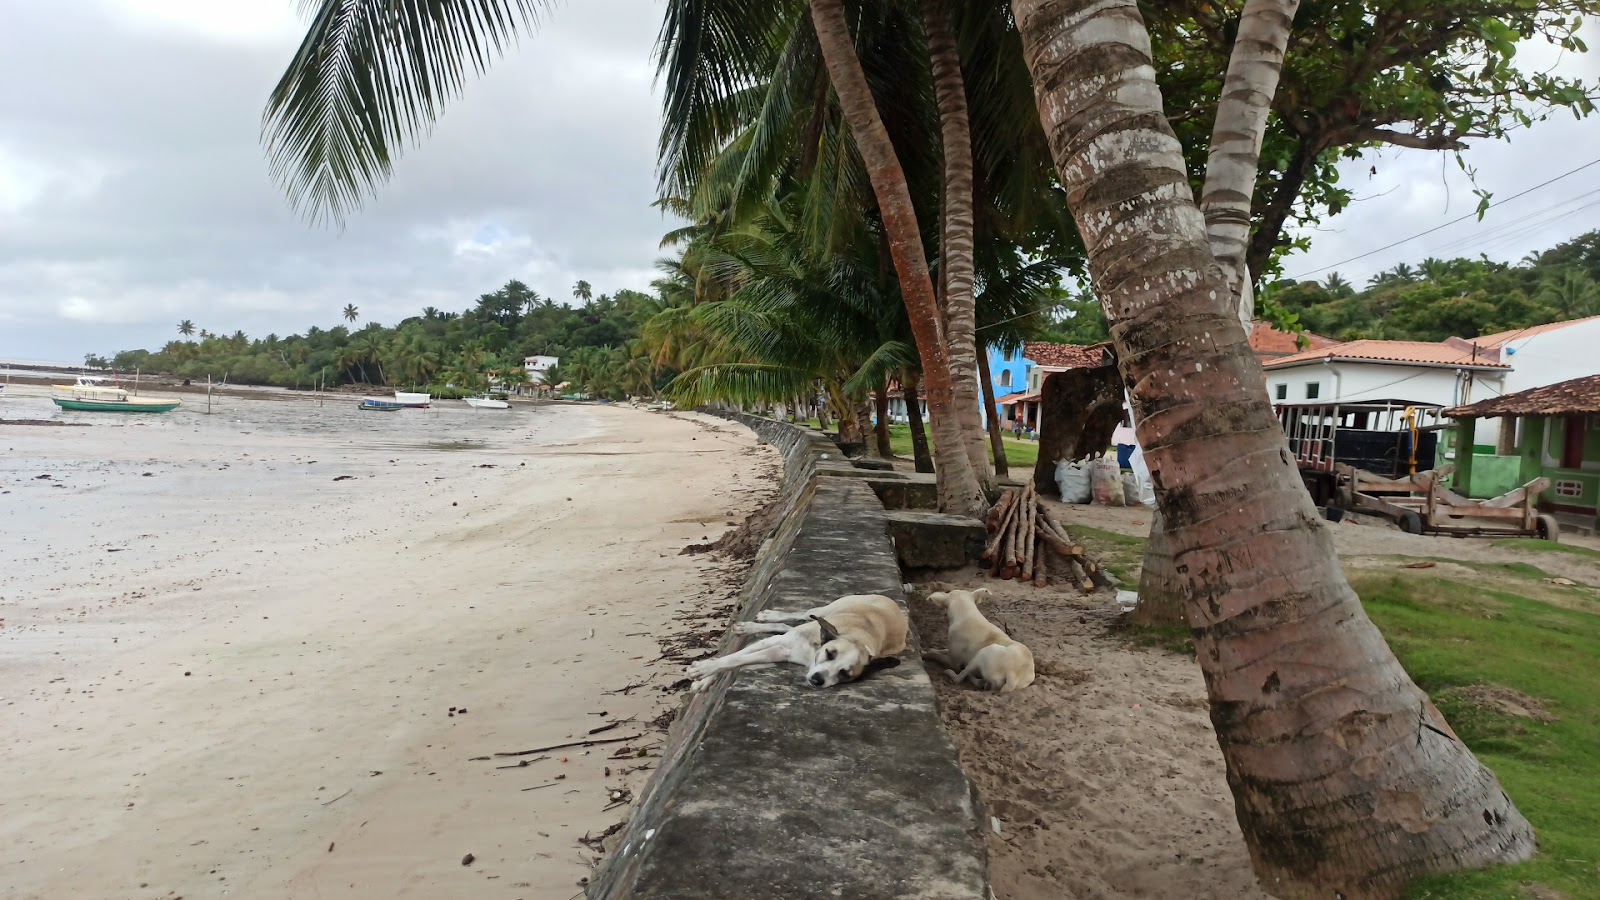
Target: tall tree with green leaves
column 186, row 328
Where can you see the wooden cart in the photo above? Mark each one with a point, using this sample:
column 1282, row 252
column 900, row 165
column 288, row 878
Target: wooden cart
column 1421, row 504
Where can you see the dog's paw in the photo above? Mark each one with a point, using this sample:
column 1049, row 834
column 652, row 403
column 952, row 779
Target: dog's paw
column 698, row 668
column 699, row 686
column 772, row 615
column 749, row 628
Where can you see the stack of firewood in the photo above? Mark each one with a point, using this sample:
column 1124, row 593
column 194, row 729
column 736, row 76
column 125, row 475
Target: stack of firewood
column 1027, row 544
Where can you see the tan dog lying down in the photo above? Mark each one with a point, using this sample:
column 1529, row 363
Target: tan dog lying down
column 850, row 637
column 982, row 653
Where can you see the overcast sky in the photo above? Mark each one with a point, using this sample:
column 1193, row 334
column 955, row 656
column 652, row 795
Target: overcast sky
column 134, row 192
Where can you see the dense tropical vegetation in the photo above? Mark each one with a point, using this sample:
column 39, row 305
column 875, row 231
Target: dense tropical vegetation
column 1440, row 298
column 597, row 341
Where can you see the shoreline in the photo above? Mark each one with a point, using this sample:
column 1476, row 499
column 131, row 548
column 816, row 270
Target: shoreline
column 200, row 702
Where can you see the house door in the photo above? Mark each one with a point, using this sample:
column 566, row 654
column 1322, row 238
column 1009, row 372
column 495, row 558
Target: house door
column 1572, row 443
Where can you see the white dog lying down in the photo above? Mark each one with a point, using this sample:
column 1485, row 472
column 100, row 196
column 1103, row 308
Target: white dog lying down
column 984, row 654
column 851, row 637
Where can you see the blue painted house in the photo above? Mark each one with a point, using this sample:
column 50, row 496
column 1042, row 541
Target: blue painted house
column 1010, row 371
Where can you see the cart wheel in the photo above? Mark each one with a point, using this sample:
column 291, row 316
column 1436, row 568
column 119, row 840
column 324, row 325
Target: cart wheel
column 1548, row 528
column 1410, row 523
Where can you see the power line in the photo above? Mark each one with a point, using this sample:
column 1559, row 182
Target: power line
column 1471, row 215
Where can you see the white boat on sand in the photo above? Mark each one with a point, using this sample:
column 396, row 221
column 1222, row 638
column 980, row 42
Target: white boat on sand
column 486, row 402
column 412, row 400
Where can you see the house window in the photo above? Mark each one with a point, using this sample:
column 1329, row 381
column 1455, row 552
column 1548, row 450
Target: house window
column 1005, row 378
column 1313, row 389
column 1006, row 355
column 1282, row 392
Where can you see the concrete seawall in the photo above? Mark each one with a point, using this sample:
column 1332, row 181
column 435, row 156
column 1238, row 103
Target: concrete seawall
column 772, row 790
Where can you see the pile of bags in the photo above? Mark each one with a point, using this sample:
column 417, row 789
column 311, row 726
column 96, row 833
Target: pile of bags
column 1101, row 481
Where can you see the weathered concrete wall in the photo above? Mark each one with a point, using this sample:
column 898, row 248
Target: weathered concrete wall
column 771, row 789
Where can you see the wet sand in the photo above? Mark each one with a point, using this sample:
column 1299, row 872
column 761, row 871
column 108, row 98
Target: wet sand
column 233, row 676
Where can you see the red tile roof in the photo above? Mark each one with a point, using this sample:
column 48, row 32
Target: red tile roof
column 1270, row 343
column 1065, row 356
column 1452, row 352
column 1578, row 397
column 1501, row 338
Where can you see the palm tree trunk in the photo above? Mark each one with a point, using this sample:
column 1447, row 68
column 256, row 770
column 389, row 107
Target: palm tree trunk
column 956, row 266
column 1347, row 781
column 991, row 415
column 881, row 402
column 862, row 409
column 1236, row 136
column 959, row 489
column 919, row 435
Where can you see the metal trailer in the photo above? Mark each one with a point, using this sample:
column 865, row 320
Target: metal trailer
column 1376, row 456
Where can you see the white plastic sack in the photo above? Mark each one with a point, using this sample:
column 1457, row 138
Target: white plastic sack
column 1105, row 482
column 1141, row 475
column 1130, row 489
column 1073, row 481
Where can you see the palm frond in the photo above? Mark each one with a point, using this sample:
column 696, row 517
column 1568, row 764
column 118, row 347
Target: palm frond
column 738, row 383
column 369, row 76
column 889, row 358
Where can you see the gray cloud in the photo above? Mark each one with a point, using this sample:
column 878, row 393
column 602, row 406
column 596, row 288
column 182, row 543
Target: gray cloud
column 133, row 189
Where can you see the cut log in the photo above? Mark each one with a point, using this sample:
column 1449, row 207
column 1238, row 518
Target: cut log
column 1008, row 509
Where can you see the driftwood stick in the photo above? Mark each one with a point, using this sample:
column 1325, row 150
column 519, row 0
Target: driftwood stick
column 997, row 513
column 1008, row 509
column 1030, row 542
column 569, row 744
column 1075, row 571
column 1041, row 563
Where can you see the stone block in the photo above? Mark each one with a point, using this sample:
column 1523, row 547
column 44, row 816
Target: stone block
column 930, row 540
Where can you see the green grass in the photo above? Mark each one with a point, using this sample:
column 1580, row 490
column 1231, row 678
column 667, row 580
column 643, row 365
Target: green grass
column 1452, row 634
column 1532, row 545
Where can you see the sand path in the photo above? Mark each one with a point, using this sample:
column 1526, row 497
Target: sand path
column 251, row 698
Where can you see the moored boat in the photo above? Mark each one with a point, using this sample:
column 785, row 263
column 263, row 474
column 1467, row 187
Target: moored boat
column 379, row 404
column 485, row 402
column 412, row 400
column 94, row 394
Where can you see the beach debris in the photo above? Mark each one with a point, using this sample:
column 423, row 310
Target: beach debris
column 148, row 475
column 1564, row 582
column 566, row 745
column 1025, row 543
column 467, row 860
column 546, row 784
column 344, row 478
column 330, row 846
column 1425, row 564
column 524, row 763
column 47, row 478
column 338, row 798
column 610, row 725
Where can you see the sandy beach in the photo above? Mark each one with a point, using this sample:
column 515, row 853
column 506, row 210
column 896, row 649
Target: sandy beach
column 265, row 653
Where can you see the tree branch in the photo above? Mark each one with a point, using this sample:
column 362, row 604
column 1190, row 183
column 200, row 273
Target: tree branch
column 1413, row 141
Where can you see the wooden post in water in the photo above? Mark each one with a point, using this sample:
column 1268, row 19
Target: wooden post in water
column 208, row 393
column 136, row 381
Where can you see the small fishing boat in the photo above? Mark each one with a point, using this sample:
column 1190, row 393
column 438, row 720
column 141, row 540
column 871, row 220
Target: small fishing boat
column 411, row 400
column 379, row 404
column 92, row 393
column 486, row 402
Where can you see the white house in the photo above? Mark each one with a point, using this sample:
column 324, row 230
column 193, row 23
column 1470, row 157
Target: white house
column 537, row 365
column 1546, row 354
column 1448, row 373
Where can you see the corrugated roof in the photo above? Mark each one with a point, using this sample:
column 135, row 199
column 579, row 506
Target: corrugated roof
column 1017, row 398
column 1268, row 342
column 1578, row 397
column 1454, row 352
column 1501, row 338
column 1065, row 356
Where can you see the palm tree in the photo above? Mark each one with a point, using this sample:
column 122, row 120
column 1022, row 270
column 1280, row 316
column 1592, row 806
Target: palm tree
column 1320, row 727
column 1336, row 285
column 351, row 313
column 582, row 291
column 186, row 328
column 1571, row 292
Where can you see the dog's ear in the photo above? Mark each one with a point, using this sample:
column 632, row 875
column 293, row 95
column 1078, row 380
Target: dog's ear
column 829, row 633
column 879, row 664
column 980, row 595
